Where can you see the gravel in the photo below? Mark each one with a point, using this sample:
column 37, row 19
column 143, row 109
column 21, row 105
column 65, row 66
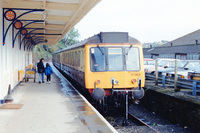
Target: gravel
column 116, row 119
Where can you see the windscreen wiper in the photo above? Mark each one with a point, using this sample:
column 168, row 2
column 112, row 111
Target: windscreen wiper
column 100, row 49
column 129, row 49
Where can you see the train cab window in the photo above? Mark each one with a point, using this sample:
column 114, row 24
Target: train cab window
column 115, row 59
column 97, row 56
column 132, row 59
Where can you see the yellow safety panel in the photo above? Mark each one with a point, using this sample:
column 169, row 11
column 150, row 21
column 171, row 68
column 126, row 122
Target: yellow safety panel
column 124, row 79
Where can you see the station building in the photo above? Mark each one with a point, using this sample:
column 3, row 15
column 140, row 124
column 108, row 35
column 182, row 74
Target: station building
column 185, row 48
column 26, row 23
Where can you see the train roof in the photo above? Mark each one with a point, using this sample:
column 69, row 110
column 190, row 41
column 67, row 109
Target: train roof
column 104, row 37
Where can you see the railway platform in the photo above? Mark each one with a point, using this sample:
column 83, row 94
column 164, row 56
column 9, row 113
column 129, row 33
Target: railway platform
column 51, row 108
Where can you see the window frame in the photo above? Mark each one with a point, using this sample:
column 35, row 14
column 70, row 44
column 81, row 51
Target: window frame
column 105, row 59
column 123, row 58
column 139, row 59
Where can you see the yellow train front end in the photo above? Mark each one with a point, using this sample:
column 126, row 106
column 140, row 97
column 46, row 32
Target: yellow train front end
column 114, row 67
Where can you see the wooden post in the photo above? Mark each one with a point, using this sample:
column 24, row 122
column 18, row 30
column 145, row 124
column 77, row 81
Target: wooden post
column 175, row 78
column 156, row 72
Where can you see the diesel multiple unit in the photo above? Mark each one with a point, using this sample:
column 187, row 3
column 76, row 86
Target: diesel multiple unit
column 108, row 65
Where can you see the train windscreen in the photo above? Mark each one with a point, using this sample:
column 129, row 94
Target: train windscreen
column 114, row 59
column 132, row 59
column 98, row 59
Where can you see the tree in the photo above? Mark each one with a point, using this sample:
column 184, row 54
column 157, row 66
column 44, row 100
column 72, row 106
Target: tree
column 46, row 51
column 71, row 37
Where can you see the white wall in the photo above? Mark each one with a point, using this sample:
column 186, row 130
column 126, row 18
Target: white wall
column 11, row 60
column 1, row 54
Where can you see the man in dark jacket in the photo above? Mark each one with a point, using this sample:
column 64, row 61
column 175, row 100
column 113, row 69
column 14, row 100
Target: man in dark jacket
column 41, row 70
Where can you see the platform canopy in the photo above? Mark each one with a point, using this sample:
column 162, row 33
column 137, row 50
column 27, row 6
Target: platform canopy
column 59, row 16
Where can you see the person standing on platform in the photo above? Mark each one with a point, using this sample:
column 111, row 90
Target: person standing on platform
column 48, row 72
column 41, row 70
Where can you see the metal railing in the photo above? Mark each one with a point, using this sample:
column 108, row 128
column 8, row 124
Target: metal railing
column 188, row 84
column 177, row 82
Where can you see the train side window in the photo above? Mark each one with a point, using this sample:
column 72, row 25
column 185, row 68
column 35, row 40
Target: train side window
column 79, row 58
column 67, row 58
column 75, row 59
column 97, row 57
column 72, row 58
column 64, row 58
column 132, row 59
column 83, row 59
column 115, row 59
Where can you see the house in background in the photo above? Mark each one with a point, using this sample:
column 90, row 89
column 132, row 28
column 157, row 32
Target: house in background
column 184, row 48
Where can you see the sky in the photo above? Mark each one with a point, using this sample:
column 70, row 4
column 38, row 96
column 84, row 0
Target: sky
column 146, row 20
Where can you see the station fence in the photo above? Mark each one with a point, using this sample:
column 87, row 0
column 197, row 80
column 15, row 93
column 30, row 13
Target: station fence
column 189, row 84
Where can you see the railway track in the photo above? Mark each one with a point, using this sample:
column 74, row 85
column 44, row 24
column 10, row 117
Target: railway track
column 137, row 125
column 141, row 122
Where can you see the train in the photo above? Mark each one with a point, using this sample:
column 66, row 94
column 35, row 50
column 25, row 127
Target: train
column 108, row 65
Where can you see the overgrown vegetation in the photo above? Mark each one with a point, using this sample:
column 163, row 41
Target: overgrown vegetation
column 46, row 51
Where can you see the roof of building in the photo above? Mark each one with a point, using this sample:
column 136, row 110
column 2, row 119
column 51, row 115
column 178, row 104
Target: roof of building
column 172, row 50
column 146, row 50
column 56, row 17
column 186, row 39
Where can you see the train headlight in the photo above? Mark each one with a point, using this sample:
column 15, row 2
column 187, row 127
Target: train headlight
column 182, row 77
column 98, row 81
column 116, row 82
column 133, row 81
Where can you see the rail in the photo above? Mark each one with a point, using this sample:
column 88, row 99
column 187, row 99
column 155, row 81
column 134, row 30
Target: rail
column 189, row 84
column 141, row 122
